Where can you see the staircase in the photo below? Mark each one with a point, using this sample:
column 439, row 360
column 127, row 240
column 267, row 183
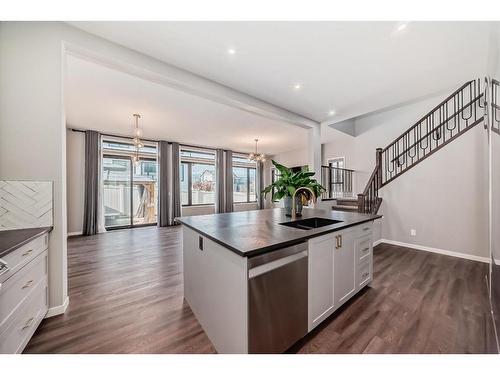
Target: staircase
column 454, row 116
column 346, row 204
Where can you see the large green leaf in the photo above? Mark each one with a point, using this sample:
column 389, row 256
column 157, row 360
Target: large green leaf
column 284, row 171
column 288, row 182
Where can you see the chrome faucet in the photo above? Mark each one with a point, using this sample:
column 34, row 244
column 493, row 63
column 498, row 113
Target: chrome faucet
column 294, row 206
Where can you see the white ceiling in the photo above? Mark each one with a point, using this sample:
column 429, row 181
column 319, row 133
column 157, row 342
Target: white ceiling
column 350, row 67
column 104, row 99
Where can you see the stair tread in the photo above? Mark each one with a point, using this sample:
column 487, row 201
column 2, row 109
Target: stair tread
column 344, row 208
column 342, row 202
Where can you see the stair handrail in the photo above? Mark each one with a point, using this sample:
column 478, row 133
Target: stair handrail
column 434, row 135
column 346, row 180
column 368, row 200
column 432, row 111
column 434, row 130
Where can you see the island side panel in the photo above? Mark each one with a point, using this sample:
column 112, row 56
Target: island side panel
column 215, row 287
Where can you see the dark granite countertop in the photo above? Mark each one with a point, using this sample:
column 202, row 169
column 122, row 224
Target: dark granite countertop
column 250, row 233
column 10, row 240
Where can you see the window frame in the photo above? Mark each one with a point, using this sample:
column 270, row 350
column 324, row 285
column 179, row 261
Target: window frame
column 131, row 180
column 248, row 184
column 189, row 161
column 126, row 154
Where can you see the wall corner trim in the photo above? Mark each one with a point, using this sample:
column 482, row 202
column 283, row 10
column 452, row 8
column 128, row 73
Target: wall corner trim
column 58, row 310
column 71, row 234
column 434, row 250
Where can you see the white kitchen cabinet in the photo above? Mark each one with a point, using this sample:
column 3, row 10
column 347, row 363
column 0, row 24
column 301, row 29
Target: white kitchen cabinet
column 344, row 260
column 23, row 294
column 340, row 264
column 320, row 274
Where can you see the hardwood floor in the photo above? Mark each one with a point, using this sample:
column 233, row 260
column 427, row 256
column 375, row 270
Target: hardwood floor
column 125, row 291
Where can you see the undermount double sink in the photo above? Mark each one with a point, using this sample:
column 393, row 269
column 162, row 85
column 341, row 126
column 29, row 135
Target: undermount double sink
column 311, row 223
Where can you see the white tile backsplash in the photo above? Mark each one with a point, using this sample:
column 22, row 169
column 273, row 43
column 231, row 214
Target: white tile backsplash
column 25, row 204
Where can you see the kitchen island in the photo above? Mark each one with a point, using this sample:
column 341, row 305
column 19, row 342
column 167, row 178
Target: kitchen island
column 258, row 281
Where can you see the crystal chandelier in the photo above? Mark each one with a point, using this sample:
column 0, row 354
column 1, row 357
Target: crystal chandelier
column 138, row 144
column 256, row 156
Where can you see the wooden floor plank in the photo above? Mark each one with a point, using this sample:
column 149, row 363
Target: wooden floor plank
column 126, row 296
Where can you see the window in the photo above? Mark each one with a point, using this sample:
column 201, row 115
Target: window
column 244, row 180
column 197, row 177
column 129, row 191
column 336, row 175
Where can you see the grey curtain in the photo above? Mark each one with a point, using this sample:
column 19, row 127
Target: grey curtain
column 224, row 179
column 164, row 186
column 91, row 198
column 259, row 183
column 220, row 178
column 228, row 181
column 169, row 196
column 176, row 184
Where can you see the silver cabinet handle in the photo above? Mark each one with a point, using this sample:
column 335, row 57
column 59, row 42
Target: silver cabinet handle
column 340, row 240
column 28, row 323
column 28, row 252
column 366, row 228
column 366, row 249
column 365, row 274
column 4, row 267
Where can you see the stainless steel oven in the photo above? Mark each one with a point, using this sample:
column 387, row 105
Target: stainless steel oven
column 277, row 293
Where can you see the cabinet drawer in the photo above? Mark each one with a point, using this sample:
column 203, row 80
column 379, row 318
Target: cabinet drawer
column 364, row 272
column 19, row 286
column 364, row 247
column 20, row 329
column 20, row 257
column 365, row 229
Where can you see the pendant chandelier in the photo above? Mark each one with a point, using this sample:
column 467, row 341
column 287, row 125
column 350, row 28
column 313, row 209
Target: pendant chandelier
column 256, row 156
column 138, row 144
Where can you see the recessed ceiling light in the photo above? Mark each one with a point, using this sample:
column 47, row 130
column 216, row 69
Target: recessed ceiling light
column 231, row 51
column 297, row 86
column 331, row 112
column 402, row 26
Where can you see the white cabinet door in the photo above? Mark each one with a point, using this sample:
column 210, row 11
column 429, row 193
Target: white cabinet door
column 321, row 278
column 344, row 266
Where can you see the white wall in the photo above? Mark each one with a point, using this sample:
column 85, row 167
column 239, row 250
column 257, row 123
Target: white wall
column 444, row 198
column 32, row 136
column 75, row 172
column 294, row 158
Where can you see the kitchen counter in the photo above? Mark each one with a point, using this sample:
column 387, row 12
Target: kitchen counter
column 246, row 277
column 251, row 233
column 11, row 240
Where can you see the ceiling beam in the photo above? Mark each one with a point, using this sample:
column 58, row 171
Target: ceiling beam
column 148, row 68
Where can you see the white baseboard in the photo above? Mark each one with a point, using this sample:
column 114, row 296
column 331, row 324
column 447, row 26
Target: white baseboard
column 434, row 250
column 74, row 234
column 57, row 310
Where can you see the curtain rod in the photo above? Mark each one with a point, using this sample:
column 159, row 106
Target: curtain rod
column 155, row 140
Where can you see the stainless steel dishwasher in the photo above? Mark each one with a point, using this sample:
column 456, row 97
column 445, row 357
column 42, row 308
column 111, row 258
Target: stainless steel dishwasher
column 277, row 299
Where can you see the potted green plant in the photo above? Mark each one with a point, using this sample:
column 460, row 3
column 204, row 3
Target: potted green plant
column 289, row 181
